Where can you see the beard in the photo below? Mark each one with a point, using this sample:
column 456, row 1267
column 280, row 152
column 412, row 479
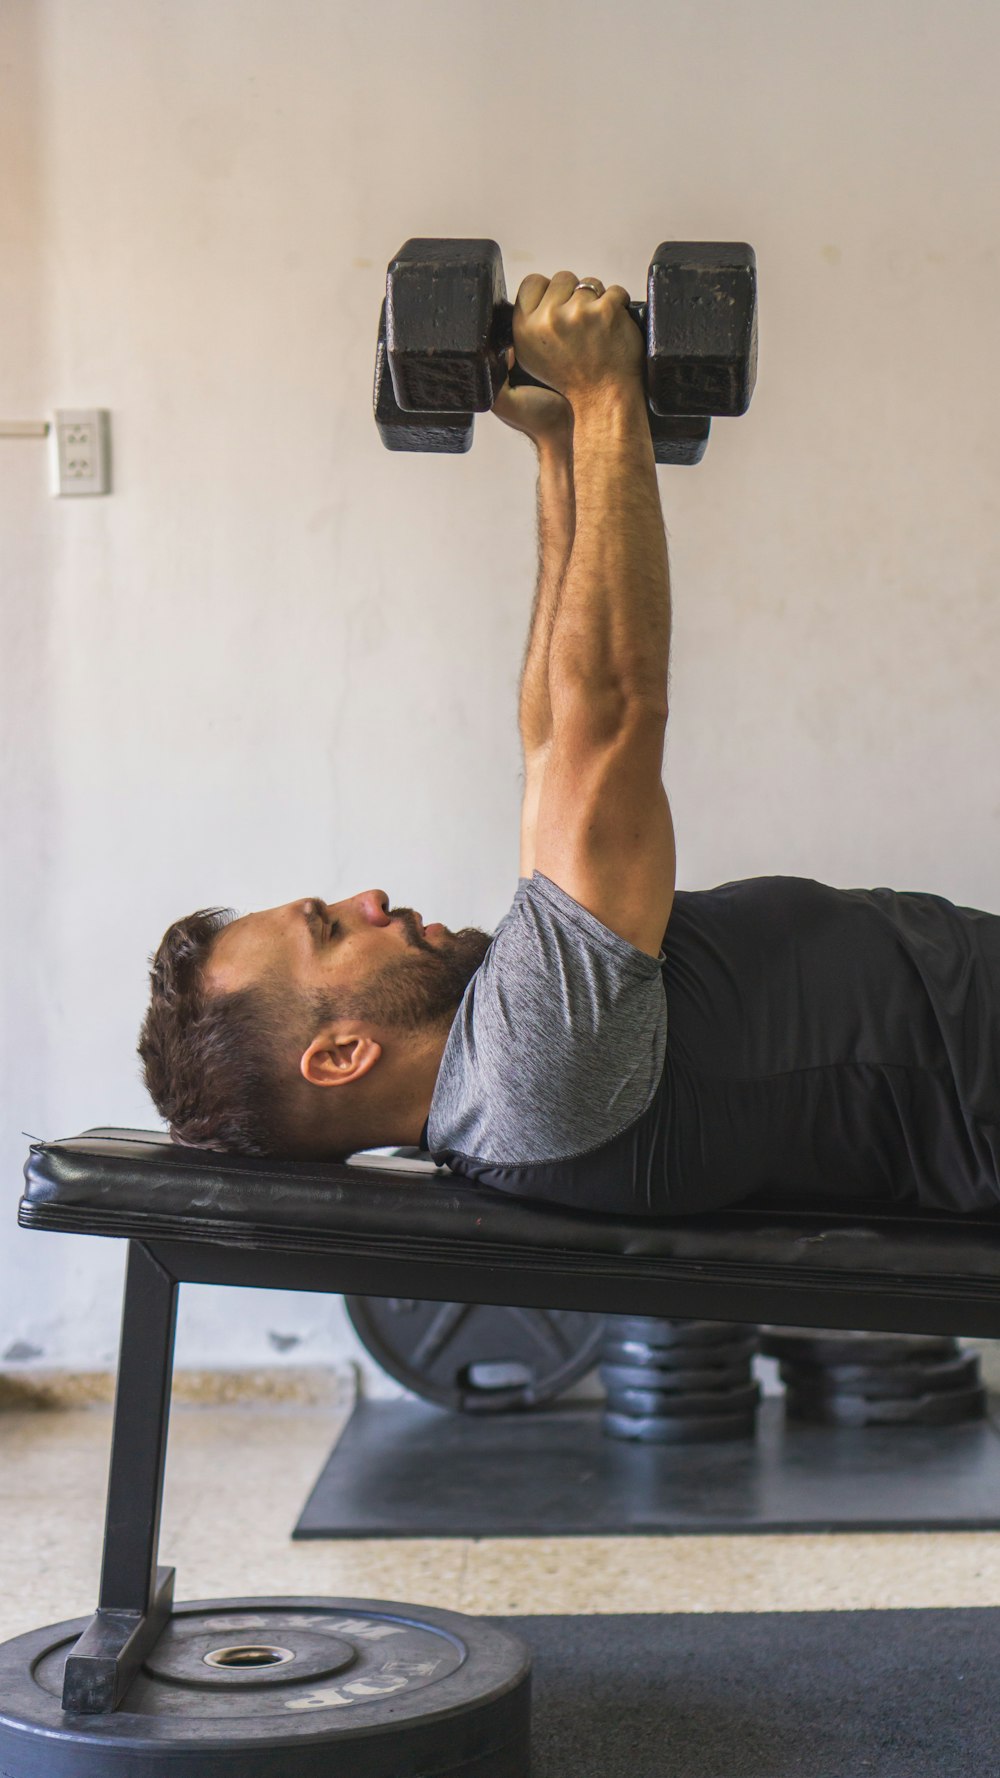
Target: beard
column 423, row 989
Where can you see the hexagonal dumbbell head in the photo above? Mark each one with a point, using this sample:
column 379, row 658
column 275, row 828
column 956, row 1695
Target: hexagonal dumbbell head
column 677, row 438
column 442, row 299
column 702, row 327
column 399, row 431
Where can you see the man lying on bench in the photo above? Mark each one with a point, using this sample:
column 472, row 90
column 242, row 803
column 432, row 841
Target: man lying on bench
column 783, row 1037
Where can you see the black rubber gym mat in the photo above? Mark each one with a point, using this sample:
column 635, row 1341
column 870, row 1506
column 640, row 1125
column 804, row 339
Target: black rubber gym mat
column 409, row 1469
column 812, row 1694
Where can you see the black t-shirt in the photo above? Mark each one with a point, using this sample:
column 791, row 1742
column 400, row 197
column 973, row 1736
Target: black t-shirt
column 820, row 1042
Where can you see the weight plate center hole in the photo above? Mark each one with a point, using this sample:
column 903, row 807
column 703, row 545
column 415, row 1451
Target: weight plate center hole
column 249, row 1654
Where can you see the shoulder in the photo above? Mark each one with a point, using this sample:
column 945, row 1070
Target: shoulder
column 559, row 1041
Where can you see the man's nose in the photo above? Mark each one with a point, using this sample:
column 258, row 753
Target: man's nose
column 373, row 907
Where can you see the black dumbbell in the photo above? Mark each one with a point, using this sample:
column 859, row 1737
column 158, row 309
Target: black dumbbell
column 676, row 439
column 449, row 326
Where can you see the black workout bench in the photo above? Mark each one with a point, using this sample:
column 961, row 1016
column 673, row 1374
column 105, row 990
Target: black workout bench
column 191, row 1215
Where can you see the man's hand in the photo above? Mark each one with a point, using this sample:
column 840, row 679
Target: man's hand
column 541, row 414
column 580, row 342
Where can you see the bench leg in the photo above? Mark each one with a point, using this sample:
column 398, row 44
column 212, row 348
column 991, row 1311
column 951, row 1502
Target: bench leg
column 135, row 1597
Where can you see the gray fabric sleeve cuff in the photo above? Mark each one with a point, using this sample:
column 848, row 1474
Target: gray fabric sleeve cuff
column 640, row 962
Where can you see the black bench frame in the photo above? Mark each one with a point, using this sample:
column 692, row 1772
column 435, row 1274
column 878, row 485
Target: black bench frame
column 220, row 1220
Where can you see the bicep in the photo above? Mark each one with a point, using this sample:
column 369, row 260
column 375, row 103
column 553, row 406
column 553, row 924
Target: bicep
column 603, row 830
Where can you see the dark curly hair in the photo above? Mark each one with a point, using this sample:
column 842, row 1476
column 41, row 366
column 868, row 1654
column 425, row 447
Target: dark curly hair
column 214, row 1064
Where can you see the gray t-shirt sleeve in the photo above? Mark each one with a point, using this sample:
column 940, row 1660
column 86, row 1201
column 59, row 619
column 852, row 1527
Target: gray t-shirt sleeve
column 559, row 1042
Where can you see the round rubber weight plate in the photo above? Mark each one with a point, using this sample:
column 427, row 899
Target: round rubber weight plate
column 654, row 1332
column 474, row 1357
column 637, row 1355
column 672, row 1382
column 658, row 1405
column 830, row 1345
column 918, row 1410
column 885, row 1381
column 653, row 1429
column 308, row 1688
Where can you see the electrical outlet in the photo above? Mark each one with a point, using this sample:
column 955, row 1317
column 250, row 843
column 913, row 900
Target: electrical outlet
column 81, row 451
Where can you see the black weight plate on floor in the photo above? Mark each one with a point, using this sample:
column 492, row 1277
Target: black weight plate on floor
column 475, row 1357
column 883, row 1381
column 638, row 1356
column 654, row 1332
column 653, row 1429
column 656, row 1403
column 831, row 1345
column 640, row 1376
column 371, row 1687
column 916, row 1410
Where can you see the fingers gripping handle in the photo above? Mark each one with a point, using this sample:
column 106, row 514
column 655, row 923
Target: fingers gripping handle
column 503, row 339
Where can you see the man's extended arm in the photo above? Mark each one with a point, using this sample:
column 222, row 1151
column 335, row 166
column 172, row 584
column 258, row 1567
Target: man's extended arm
column 604, row 830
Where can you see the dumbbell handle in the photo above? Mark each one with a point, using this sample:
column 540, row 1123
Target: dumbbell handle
column 503, row 337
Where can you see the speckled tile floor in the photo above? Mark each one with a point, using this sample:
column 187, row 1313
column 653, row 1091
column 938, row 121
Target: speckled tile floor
column 236, row 1480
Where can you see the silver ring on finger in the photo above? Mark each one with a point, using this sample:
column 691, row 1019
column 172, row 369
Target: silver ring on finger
column 589, row 284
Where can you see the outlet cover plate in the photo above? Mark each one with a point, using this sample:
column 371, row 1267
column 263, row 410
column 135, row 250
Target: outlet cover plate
column 81, row 451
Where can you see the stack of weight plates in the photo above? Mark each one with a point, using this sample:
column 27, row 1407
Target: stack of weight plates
column 871, row 1379
column 678, row 1382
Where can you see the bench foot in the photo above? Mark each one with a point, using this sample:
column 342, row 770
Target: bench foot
column 111, row 1650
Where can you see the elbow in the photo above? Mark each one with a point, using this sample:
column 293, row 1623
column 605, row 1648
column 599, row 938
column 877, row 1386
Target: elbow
column 606, row 713
column 648, row 704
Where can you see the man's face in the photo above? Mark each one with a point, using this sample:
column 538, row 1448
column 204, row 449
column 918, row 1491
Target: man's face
column 373, row 962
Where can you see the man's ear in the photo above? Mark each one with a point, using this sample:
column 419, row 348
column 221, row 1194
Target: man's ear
column 336, row 1061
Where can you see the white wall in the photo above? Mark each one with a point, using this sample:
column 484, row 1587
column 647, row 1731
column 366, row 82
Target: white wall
column 280, row 659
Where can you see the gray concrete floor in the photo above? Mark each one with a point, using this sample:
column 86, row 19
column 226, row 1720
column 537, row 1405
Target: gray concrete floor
column 238, row 1475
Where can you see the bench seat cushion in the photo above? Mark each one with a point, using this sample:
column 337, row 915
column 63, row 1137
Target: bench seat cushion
column 415, row 1231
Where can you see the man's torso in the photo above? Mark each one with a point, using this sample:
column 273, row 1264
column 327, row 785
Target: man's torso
column 796, row 1040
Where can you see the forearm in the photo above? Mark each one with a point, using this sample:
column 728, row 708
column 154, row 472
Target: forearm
column 610, row 636
column 556, row 526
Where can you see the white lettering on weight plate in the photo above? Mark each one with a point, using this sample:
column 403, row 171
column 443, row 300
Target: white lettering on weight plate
column 395, row 1677
column 377, row 1685
column 367, row 1628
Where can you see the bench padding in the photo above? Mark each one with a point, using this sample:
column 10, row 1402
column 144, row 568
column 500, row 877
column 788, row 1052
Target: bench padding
column 429, row 1234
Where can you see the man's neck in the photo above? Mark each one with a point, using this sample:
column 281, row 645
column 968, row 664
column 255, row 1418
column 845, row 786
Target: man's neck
column 394, row 1111
column 409, row 1103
